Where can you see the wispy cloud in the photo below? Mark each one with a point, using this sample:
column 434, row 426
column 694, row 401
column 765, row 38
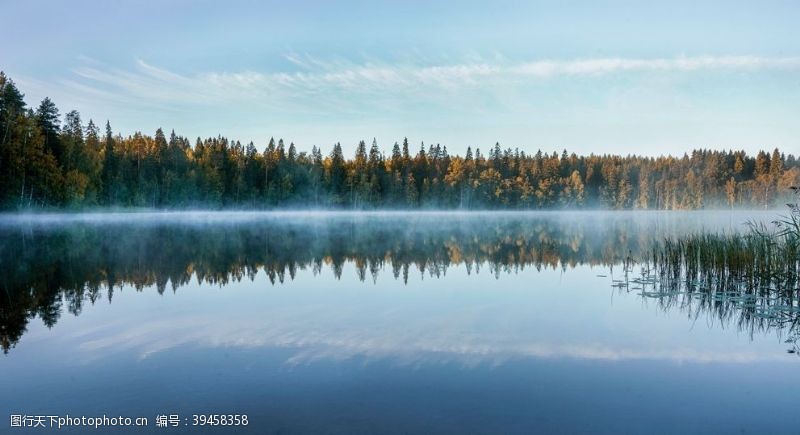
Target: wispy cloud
column 681, row 64
column 318, row 81
column 674, row 103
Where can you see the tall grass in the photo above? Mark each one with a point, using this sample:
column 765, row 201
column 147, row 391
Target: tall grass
column 749, row 278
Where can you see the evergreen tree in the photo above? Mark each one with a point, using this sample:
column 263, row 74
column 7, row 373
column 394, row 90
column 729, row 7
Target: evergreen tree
column 47, row 119
column 43, row 164
column 109, row 167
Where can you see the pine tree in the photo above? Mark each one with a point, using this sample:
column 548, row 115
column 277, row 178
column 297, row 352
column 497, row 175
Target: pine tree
column 337, row 174
column 47, row 119
column 109, row 167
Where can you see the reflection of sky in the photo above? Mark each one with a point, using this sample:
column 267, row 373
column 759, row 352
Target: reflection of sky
column 456, row 318
column 549, row 351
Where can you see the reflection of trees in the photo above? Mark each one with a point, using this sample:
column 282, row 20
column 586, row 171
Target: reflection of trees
column 48, row 269
column 751, row 305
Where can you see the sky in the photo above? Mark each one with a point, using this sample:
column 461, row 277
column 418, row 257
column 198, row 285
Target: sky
column 623, row 77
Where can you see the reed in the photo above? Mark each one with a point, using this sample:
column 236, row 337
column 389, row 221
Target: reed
column 749, row 278
column 763, row 259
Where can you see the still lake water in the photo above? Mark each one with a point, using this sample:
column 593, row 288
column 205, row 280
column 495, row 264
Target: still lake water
column 376, row 322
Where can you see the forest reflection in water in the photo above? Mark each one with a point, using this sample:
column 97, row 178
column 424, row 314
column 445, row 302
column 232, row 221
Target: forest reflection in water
column 55, row 263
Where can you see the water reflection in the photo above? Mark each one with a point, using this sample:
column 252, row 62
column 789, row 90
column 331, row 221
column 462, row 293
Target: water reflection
column 57, row 263
column 752, row 309
column 406, row 323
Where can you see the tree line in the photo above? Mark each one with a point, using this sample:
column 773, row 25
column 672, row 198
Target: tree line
column 47, row 162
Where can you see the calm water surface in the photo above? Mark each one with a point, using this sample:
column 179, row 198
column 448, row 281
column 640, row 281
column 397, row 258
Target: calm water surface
column 365, row 323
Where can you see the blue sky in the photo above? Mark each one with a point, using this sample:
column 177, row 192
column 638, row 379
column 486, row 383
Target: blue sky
column 603, row 77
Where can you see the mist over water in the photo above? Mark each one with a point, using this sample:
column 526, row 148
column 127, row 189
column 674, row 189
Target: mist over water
column 283, row 312
column 694, row 220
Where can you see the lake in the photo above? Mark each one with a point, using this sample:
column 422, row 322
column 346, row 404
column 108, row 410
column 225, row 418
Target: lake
column 379, row 322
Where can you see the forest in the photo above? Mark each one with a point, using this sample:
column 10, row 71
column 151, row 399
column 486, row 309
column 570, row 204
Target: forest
column 47, row 162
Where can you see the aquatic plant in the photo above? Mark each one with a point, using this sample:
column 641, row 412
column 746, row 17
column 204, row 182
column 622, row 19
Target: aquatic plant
column 750, row 278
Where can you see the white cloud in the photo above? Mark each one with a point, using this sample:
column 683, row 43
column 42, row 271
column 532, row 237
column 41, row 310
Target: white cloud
column 327, row 81
column 667, row 104
column 681, row 64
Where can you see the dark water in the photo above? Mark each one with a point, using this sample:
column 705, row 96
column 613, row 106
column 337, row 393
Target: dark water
column 370, row 323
